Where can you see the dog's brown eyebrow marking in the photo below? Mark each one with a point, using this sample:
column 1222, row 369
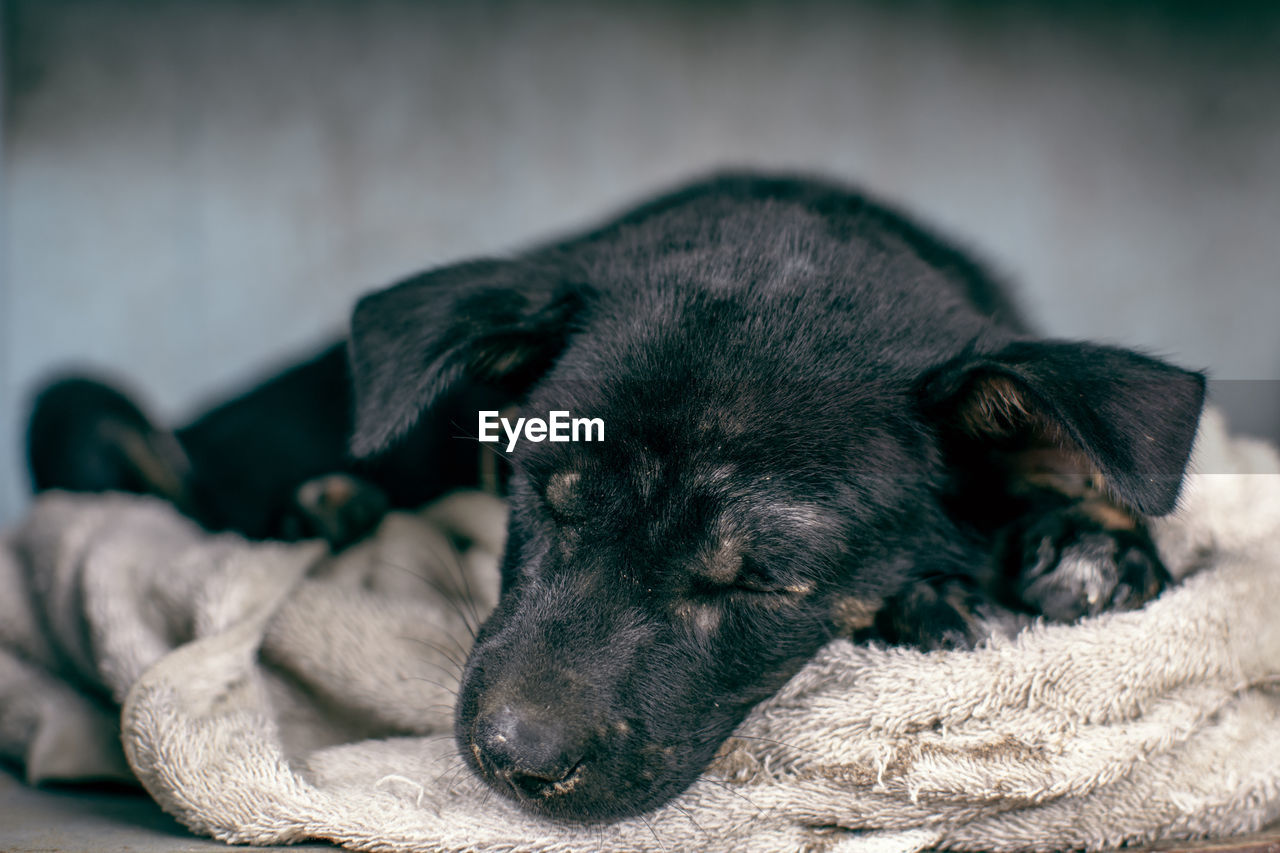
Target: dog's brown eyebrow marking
column 853, row 613
column 562, row 491
column 704, row 619
column 724, row 562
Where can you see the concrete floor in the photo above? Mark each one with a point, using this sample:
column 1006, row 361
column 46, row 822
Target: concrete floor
column 101, row 820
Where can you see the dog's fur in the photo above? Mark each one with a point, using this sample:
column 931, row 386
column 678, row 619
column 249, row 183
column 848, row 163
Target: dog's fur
column 820, row 421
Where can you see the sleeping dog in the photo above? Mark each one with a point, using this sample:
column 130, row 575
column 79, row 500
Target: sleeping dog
column 817, row 420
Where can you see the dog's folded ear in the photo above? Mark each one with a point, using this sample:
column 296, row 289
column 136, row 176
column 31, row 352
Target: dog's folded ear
column 493, row 321
column 1132, row 417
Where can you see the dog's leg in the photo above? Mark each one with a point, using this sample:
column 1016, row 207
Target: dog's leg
column 941, row 613
column 86, row 436
column 1073, row 549
column 1066, row 558
column 339, row 508
column 1079, row 556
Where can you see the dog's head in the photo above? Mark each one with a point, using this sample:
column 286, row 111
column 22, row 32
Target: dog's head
column 770, row 473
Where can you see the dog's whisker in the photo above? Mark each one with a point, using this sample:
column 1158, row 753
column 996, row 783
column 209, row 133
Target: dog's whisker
column 453, row 563
column 463, row 652
column 475, row 786
column 448, row 768
column 455, row 762
column 440, row 736
column 469, row 595
column 652, row 831
column 445, row 653
column 443, row 687
column 454, row 770
column 449, row 670
column 451, row 757
column 486, row 796
column 721, row 783
column 445, row 594
column 456, row 756
column 453, row 777
column 417, row 575
column 492, row 446
column 689, row 817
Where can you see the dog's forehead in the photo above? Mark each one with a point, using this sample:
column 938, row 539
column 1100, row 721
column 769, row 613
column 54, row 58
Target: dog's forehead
column 743, row 404
column 731, row 438
column 695, row 489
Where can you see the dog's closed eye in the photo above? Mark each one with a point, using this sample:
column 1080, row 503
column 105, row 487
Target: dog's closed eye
column 750, row 585
column 759, row 584
column 726, row 569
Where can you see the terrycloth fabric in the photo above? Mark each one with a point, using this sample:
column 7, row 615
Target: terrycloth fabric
column 271, row 694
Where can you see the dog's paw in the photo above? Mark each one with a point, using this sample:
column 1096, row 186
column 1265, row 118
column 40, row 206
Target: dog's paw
column 931, row 615
column 1072, row 565
column 338, row 508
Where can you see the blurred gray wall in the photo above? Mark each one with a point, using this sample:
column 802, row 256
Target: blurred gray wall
column 193, row 192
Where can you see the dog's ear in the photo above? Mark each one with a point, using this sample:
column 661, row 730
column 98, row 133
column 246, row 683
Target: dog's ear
column 1132, row 417
column 497, row 322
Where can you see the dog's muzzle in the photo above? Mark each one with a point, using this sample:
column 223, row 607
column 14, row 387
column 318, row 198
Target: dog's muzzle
column 530, row 749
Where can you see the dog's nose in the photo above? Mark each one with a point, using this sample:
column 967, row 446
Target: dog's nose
column 529, row 749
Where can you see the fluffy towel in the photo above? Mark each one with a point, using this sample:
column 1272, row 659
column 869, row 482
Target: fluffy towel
column 272, row 694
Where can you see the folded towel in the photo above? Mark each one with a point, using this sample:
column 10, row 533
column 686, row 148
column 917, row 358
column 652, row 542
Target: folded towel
column 270, row 693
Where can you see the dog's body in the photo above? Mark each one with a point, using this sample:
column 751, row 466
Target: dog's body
column 253, row 464
column 819, row 421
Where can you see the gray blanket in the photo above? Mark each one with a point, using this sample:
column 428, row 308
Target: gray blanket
column 269, row 693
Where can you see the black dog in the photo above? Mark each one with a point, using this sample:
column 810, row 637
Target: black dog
column 819, row 421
